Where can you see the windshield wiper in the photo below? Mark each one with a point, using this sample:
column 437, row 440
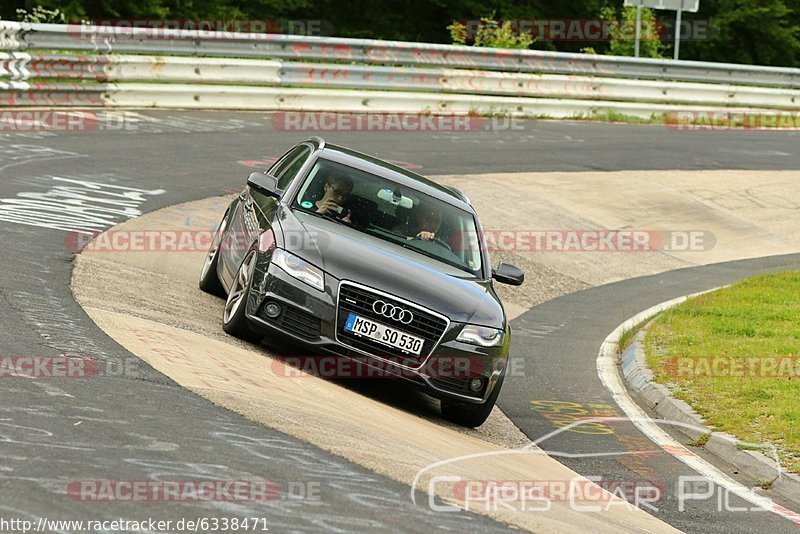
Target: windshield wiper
column 435, row 257
column 382, row 233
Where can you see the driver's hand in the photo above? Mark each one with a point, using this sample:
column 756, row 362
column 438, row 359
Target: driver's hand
column 427, row 236
column 328, row 207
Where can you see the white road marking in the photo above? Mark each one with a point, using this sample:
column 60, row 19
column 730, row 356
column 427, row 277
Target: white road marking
column 51, row 390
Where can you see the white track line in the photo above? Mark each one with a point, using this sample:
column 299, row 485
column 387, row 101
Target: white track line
column 609, row 372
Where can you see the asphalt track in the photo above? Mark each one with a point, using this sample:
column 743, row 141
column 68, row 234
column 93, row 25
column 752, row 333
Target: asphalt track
column 559, row 366
column 146, row 427
column 163, row 318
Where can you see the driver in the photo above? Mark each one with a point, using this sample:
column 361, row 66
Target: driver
column 428, row 221
column 336, row 191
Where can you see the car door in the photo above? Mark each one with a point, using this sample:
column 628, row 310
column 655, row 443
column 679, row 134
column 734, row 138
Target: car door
column 253, row 211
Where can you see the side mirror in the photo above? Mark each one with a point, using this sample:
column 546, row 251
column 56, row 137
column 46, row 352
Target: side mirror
column 508, row 274
column 263, row 183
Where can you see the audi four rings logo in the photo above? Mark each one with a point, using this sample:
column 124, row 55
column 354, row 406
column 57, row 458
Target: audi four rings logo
column 391, row 311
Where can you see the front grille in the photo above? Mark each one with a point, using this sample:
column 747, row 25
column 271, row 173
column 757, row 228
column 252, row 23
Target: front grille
column 359, row 300
column 296, row 321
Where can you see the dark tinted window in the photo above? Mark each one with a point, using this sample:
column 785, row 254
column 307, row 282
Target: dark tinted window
column 288, row 167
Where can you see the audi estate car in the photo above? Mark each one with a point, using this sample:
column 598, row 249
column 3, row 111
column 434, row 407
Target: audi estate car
column 349, row 257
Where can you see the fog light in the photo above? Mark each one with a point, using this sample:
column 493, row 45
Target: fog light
column 476, row 384
column 272, row 310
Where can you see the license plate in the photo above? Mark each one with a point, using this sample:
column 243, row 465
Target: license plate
column 383, row 334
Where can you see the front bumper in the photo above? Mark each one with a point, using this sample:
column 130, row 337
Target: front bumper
column 308, row 319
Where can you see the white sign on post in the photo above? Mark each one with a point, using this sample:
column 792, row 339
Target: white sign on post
column 670, row 5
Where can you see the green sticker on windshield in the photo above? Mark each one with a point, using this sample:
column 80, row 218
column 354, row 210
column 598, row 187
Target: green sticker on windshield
column 307, row 204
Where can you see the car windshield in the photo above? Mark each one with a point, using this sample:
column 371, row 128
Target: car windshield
column 394, row 213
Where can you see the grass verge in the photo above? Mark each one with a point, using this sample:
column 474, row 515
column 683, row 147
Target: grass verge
column 734, row 356
column 626, row 338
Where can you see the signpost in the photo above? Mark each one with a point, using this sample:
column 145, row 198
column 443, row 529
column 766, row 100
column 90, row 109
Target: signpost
column 671, row 5
column 638, row 26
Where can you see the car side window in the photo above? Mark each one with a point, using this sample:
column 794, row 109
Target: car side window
column 283, row 162
column 286, row 170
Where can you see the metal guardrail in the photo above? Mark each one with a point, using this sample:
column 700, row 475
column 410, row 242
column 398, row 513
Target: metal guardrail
column 236, row 97
column 202, row 43
column 21, row 68
column 112, row 62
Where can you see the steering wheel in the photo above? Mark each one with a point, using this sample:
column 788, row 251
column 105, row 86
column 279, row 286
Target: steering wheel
column 436, row 240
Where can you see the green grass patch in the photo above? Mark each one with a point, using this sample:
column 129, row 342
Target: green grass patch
column 748, row 447
column 734, row 356
column 701, row 440
column 612, row 115
column 626, row 338
column 764, row 484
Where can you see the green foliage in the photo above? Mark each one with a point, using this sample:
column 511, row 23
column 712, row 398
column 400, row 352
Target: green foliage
column 764, row 32
column 623, row 32
column 759, row 32
column 40, row 15
column 701, row 440
column 491, row 34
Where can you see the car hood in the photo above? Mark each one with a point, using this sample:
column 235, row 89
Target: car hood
column 348, row 254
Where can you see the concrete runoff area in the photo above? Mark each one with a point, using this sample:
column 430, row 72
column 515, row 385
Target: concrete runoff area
column 160, row 307
column 743, row 214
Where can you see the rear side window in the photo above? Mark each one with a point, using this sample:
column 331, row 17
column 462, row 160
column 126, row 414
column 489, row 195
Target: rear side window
column 288, row 167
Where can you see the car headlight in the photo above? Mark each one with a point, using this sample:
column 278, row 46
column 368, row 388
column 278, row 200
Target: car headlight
column 481, row 335
column 299, row 268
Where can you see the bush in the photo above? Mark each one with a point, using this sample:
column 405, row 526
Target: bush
column 491, row 34
column 40, row 15
column 623, row 32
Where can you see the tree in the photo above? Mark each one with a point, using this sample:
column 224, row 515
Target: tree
column 758, row 32
column 765, row 32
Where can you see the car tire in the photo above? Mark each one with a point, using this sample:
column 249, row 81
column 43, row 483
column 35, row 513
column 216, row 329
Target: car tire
column 471, row 415
column 234, row 319
column 209, row 279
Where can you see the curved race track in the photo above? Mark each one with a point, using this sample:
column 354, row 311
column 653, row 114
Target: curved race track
column 138, row 424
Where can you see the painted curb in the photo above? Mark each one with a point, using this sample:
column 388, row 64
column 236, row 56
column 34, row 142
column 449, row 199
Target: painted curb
column 639, row 378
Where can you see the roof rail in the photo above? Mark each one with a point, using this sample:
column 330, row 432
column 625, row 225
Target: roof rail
column 318, row 140
column 460, row 194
